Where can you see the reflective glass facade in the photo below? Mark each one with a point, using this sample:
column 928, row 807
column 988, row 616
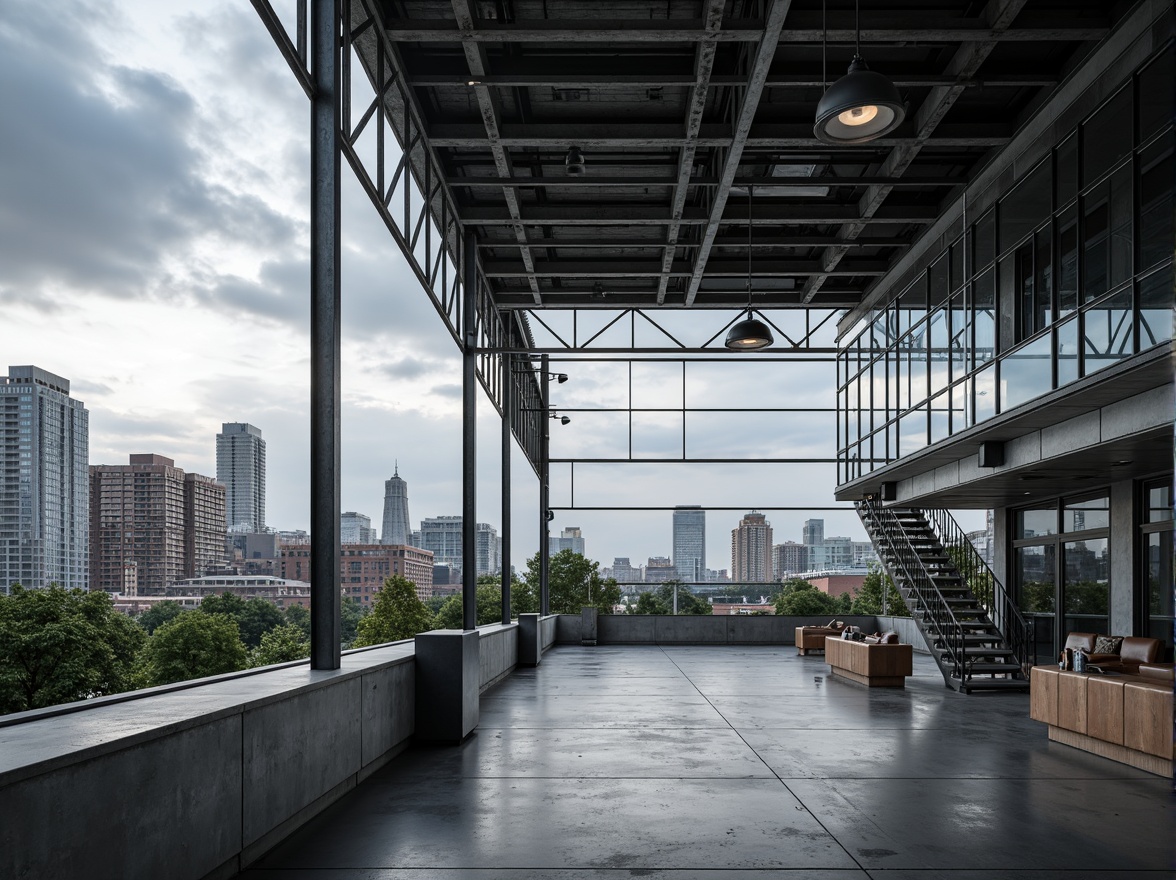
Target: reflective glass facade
column 1067, row 274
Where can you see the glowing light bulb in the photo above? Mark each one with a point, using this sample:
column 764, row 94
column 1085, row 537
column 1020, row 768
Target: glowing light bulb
column 858, row 115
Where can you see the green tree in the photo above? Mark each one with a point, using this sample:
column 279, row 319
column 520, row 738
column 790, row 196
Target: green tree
column 351, row 612
column 254, row 617
column 801, row 598
column 488, row 599
column 299, row 617
column 192, row 646
column 650, row 603
column 159, row 614
column 58, row 645
column 435, row 603
column 574, row 583
column 282, row 644
column 396, row 614
column 867, row 599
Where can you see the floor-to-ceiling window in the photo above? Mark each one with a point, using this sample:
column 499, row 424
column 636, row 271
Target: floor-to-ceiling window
column 1157, row 581
column 1061, row 562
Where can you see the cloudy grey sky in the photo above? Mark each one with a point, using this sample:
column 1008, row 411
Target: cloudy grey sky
column 153, row 250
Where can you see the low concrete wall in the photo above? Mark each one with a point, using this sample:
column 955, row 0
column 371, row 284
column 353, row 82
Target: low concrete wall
column 549, row 631
column 498, row 652
column 700, row 629
column 207, row 778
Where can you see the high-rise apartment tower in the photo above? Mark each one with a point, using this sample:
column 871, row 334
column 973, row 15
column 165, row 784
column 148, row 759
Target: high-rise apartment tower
column 240, row 467
column 751, row 550
column 44, row 491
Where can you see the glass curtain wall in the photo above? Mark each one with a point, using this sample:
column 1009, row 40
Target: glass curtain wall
column 1069, row 273
column 1157, row 557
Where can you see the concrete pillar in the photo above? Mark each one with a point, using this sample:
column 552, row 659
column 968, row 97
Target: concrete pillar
column 588, row 626
column 1125, row 617
column 448, row 674
column 530, row 640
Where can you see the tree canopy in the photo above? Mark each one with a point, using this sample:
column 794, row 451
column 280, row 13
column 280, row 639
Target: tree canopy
column 574, row 583
column 488, row 602
column 801, row 598
column 396, row 614
column 254, row 617
column 191, row 646
column 58, row 645
column 159, row 614
column 867, row 599
column 282, row 644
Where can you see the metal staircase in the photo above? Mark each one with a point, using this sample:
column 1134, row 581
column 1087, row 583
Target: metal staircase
column 973, row 629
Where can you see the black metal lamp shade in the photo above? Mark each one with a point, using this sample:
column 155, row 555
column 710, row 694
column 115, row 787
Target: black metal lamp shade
column 859, row 107
column 749, row 334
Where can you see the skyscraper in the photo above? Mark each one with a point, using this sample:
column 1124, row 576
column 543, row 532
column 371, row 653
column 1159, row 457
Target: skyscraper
column 751, row 550
column 44, row 487
column 569, row 539
column 789, row 558
column 395, row 527
column 813, row 538
column 690, row 542
column 152, row 525
column 240, row 467
column 441, row 536
column 487, row 549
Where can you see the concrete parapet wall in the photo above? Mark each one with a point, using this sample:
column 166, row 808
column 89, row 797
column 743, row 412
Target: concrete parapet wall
column 498, row 652
column 908, row 632
column 196, row 782
column 701, row 629
column 548, row 630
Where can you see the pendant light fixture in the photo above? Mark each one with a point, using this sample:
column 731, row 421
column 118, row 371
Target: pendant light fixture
column 862, row 105
column 750, row 334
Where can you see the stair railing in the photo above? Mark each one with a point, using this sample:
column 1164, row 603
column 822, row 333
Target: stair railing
column 1016, row 631
column 938, row 616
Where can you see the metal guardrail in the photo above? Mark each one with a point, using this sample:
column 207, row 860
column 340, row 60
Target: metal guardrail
column 938, row 616
column 1014, row 628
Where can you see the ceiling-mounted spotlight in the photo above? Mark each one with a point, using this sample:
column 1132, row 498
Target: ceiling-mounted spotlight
column 574, row 162
column 859, row 107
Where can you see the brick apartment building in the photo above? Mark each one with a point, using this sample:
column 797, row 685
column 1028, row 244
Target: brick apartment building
column 364, row 567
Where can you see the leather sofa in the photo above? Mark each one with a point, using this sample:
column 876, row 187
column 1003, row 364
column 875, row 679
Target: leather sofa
column 1133, row 651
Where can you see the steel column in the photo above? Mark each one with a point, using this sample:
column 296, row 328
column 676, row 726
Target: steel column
column 544, row 486
column 325, row 258
column 469, row 438
column 507, row 403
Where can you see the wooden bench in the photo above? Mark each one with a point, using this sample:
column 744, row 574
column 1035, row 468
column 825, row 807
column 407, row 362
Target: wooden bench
column 812, row 638
column 871, row 665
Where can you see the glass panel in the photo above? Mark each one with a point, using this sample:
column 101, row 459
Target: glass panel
column 985, row 251
column 1067, row 351
column 985, row 393
column 1155, row 208
column 1092, row 514
column 918, row 353
column 1068, row 263
column 961, row 412
column 1158, row 559
column 940, row 280
column 984, row 320
column 940, row 351
column 1106, row 235
column 960, row 325
column 1159, row 503
column 1036, row 593
column 1067, row 169
column 1155, row 309
column 1106, row 136
column 1107, row 332
column 940, row 417
column 1022, row 266
column 1023, row 209
column 1036, row 523
column 1155, row 95
column 1026, row 373
column 1043, row 279
column 913, row 431
column 1086, row 586
column 957, row 265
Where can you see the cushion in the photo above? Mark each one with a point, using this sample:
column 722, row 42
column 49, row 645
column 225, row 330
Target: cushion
column 1107, row 644
column 890, row 637
column 1085, row 641
column 1140, row 650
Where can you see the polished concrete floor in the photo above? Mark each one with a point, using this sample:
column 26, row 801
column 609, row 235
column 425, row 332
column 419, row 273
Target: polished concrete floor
column 698, row 762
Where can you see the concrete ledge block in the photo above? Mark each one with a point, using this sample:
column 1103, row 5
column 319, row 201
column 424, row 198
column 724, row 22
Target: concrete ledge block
column 448, row 678
column 588, row 626
column 530, row 640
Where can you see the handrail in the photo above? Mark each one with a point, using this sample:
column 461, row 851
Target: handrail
column 986, row 586
column 937, row 613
